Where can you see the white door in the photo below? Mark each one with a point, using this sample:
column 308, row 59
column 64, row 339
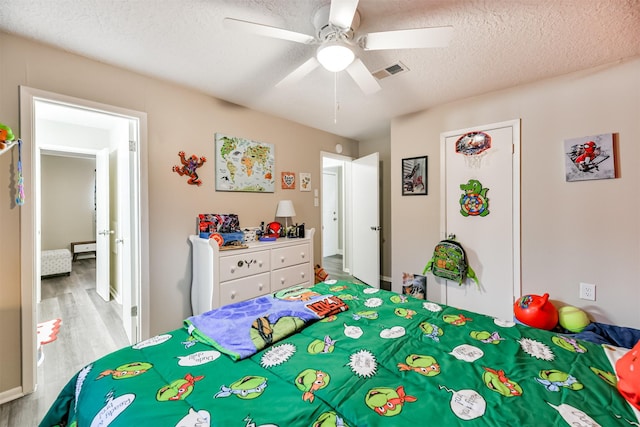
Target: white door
column 491, row 241
column 366, row 219
column 127, row 229
column 329, row 214
column 103, row 234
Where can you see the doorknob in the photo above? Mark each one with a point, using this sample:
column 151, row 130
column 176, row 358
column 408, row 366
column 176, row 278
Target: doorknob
column 374, row 228
column 105, row 232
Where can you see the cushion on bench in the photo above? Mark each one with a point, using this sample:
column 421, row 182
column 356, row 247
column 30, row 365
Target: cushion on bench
column 57, row 261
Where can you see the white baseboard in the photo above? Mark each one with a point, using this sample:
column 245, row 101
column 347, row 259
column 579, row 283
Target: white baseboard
column 115, row 295
column 12, row 394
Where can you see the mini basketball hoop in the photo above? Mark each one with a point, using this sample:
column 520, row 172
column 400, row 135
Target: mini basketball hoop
column 473, row 146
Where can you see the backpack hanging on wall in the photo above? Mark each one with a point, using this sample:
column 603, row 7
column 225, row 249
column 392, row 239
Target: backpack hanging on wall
column 450, row 262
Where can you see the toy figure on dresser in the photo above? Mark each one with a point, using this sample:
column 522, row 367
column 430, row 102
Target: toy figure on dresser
column 296, row 231
column 272, row 231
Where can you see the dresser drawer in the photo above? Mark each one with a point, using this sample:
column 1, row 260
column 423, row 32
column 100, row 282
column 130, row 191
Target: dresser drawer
column 243, row 265
column 290, row 276
column 244, row 289
column 84, row 247
column 291, row 255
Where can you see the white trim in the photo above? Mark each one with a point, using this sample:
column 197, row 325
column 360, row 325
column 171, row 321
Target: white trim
column 28, row 246
column 11, row 394
column 517, row 260
column 346, row 207
column 29, row 241
column 443, row 205
column 515, row 158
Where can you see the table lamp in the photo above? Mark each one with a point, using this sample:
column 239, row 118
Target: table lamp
column 285, row 210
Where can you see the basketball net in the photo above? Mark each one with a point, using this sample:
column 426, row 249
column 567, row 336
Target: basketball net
column 474, row 161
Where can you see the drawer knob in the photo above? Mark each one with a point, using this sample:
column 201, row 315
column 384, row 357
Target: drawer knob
column 302, row 255
column 233, row 294
column 282, row 280
column 233, row 270
column 281, row 259
column 260, row 263
column 302, row 274
column 260, row 286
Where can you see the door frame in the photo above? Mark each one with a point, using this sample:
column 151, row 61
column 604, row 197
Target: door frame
column 515, row 158
column 336, row 235
column 29, row 238
column 345, row 209
column 102, row 236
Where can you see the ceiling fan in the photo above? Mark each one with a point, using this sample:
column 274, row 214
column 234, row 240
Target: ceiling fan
column 338, row 43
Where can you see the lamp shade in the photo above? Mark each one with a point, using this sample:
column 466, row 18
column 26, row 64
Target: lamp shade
column 285, row 209
column 335, row 56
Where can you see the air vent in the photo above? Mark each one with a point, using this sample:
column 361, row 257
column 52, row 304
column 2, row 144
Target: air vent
column 390, row 70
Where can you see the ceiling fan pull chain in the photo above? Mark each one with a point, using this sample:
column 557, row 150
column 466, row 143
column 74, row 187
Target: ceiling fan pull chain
column 335, row 98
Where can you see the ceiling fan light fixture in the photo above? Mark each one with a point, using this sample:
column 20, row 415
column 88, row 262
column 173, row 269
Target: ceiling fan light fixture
column 335, row 56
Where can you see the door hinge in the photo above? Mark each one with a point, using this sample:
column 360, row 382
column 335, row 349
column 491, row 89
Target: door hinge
column 134, row 311
column 133, row 146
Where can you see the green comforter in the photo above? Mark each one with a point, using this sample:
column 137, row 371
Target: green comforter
column 389, row 360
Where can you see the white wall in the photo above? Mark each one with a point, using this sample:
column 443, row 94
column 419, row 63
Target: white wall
column 70, row 135
column 67, row 201
column 571, row 232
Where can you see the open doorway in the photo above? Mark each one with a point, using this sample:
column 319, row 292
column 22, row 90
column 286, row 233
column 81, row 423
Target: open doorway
column 334, row 228
column 350, row 220
column 114, row 138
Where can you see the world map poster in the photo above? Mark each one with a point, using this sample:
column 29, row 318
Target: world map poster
column 244, row 165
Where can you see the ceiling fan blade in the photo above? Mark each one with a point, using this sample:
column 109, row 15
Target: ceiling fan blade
column 409, row 39
column 342, row 12
column 267, row 31
column 297, row 74
column 362, row 76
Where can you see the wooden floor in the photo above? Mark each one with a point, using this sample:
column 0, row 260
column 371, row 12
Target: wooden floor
column 333, row 266
column 90, row 329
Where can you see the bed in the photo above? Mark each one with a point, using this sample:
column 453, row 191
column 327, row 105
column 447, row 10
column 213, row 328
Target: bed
column 382, row 359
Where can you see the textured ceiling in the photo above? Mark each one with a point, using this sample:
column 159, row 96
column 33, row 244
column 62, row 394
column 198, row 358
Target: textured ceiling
column 496, row 44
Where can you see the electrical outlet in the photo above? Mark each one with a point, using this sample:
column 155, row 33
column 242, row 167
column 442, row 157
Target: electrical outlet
column 588, row 291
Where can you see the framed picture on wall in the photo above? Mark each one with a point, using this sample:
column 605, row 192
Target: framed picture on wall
column 305, row 181
column 244, row 165
column 288, row 180
column 414, row 176
column 590, row 157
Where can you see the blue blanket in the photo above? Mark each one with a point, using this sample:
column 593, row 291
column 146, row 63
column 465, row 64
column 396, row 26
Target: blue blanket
column 601, row 333
column 244, row 328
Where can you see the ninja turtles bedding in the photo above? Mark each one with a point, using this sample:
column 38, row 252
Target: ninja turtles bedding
column 387, row 360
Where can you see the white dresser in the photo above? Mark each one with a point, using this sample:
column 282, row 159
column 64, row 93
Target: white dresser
column 222, row 277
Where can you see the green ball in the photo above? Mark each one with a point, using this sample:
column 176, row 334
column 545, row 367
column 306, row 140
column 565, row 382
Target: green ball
column 573, row 319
